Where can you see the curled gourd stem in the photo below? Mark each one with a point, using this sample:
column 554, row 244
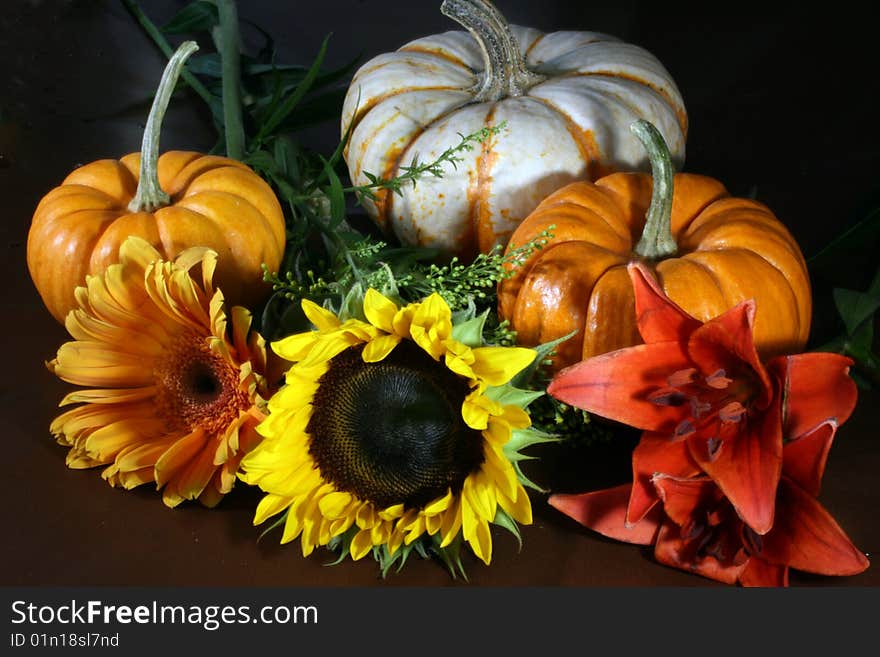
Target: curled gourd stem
column 506, row 73
column 149, row 195
column 657, row 240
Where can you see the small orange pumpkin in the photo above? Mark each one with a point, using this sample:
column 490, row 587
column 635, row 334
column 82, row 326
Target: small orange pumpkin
column 708, row 250
column 211, row 201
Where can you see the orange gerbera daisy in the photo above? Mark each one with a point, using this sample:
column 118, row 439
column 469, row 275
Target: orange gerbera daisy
column 176, row 384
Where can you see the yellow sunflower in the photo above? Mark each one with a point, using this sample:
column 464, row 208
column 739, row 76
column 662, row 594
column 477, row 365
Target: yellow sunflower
column 393, row 429
column 175, row 392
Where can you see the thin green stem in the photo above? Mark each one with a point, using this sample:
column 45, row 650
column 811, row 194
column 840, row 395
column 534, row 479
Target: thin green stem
column 416, row 170
column 149, row 195
column 230, row 57
column 162, row 43
column 657, row 240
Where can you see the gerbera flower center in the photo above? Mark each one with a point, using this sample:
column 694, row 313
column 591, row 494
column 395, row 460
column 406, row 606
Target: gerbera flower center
column 716, row 401
column 392, row 432
column 197, row 387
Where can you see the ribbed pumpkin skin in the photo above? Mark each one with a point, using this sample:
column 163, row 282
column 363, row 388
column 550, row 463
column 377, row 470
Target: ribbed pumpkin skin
column 216, row 202
column 729, row 249
column 574, row 125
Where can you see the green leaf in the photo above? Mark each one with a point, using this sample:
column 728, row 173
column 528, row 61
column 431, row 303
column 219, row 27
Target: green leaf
column 451, row 556
column 525, row 481
column 503, row 519
column 544, row 350
column 281, row 317
column 855, row 307
column 281, row 112
column 318, row 109
column 200, row 16
column 287, row 157
column 509, row 395
column 470, row 332
column 341, row 544
column 336, row 195
column 523, row 438
column 275, row 525
column 858, row 238
column 859, row 344
column 353, row 304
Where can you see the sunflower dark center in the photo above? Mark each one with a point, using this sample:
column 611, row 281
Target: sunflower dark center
column 392, row 431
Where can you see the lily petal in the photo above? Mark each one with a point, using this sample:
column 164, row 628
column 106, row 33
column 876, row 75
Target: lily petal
column 659, row 318
column 727, row 343
column 604, row 511
column 761, row 573
column 671, row 550
column 681, row 496
column 803, row 459
column 807, row 538
column 616, row 385
column 656, row 454
column 817, row 387
column 747, row 465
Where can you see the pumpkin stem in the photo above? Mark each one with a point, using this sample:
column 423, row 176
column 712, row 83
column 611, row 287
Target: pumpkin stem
column 149, row 195
column 505, row 72
column 657, row 240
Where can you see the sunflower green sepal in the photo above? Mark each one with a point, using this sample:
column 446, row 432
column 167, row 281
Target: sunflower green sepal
column 521, row 439
column 469, row 329
column 389, row 435
column 544, row 351
column 426, row 547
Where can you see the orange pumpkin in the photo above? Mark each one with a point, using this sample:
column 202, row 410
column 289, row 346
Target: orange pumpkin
column 708, row 250
column 176, row 201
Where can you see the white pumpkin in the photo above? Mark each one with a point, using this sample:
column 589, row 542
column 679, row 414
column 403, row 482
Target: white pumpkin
column 567, row 99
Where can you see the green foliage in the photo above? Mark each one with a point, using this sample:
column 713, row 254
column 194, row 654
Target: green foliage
column 405, row 274
column 858, row 311
column 846, row 291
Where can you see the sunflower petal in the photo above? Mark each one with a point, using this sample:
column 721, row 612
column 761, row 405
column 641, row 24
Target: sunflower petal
column 295, row 347
column 269, row 506
column 334, row 505
column 498, row 365
column 519, row 507
column 378, row 348
column 361, row 544
column 323, row 319
column 379, row 310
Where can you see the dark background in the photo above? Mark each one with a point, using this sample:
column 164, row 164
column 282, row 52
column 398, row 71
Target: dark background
column 782, row 105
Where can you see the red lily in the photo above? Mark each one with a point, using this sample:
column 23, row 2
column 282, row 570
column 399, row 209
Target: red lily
column 699, row 531
column 706, row 402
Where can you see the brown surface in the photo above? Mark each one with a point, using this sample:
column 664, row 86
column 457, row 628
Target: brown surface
column 774, row 105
